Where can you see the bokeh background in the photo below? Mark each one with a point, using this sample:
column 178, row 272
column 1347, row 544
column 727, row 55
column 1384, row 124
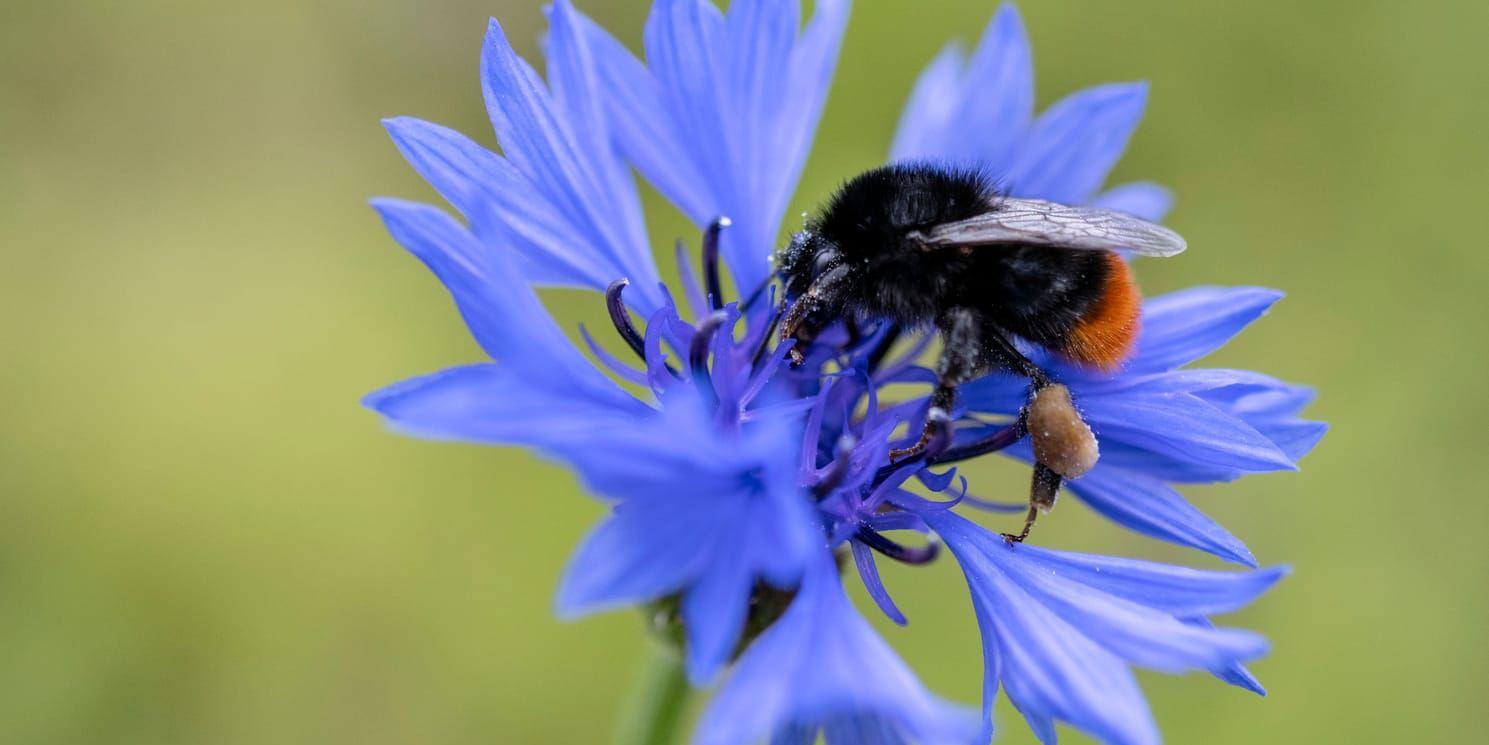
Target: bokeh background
column 203, row 538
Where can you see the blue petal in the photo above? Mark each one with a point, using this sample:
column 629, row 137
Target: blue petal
column 813, row 63
column 932, row 106
column 496, row 404
column 1058, row 628
column 457, row 167
column 1178, row 591
column 716, row 604
column 868, row 571
column 1074, row 144
column 759, row 36
column 1295, row 437
column 1235, row 673
column 641, row 126
column 1150, row 507
column 556, row 163
column 1181, row 327
column 700, row 511
column 682, row 39
column 978, row 115
column 862, row 730
column 1131, row 458
column 1142, row 502
column 795, row 735
column 998, row 93
column 1140, row 199
column 1277, row 400
column 504, row 315
column 577, row 93
column 997, row 392
column 1203, row 380
column 1273, row 410
column 633, row 557
column 739, row 99
column 1184, row 426
column 473, row 178
column 821, row 664
column 1049, row 668
column 1135, row 632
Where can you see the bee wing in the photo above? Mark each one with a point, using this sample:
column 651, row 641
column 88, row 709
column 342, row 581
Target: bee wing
column 1041, row 223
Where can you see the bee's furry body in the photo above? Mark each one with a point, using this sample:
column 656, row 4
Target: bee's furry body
column 927, row 246
column 1032, row 292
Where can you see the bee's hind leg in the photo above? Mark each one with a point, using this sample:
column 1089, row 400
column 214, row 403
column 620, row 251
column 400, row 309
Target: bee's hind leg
column 962, row 358
column 1011, row 358
column 1042, row 493
column 1063, row 444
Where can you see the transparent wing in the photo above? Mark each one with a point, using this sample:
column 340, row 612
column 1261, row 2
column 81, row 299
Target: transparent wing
column 1041, row 223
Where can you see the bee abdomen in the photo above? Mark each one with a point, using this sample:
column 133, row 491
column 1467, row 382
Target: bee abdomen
column 1104, row 334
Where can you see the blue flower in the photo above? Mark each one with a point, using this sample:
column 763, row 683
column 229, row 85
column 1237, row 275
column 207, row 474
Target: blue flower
column 736, row 483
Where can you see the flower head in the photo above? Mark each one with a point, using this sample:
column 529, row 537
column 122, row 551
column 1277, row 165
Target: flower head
column 739, row 485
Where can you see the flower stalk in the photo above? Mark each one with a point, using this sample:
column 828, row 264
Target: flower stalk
column 659, row 700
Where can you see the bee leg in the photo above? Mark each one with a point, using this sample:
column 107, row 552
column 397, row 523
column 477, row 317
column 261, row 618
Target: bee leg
column 1042, row 492
column 823, row 292
column 1045, row 483
column 937, row 427
column 962, row 359
column 1010, row 357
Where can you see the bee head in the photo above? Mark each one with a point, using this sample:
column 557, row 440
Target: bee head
column 806, row 258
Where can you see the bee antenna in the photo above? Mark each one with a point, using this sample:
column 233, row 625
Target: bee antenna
column 836, row 472
column 905, row 554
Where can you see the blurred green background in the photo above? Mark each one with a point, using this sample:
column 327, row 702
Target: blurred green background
column 203, row 538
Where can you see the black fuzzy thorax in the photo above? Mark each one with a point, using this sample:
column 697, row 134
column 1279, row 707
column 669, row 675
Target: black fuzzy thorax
column 1034, row 292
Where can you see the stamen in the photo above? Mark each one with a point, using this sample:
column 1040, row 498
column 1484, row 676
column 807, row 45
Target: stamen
column 763, row 373
column 906, row 361
column 813, row 436
column 990, row 444
column 903, row 554
column 626, row 372
column 756, row 293
column 622, row 319
column 698, row 354
column 867, row 571
column 770, row 332
column 837, row 471
column 881, row 348
column 711, row 261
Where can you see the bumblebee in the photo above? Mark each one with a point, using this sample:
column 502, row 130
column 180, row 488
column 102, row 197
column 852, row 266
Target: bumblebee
column 925, row 246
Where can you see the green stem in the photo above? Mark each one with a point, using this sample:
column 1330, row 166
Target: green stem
column 657, row 703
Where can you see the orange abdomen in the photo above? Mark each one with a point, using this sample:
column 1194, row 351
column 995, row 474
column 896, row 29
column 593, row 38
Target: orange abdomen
column 1104, row 336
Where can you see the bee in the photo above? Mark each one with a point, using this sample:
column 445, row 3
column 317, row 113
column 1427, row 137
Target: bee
column 926, row 246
